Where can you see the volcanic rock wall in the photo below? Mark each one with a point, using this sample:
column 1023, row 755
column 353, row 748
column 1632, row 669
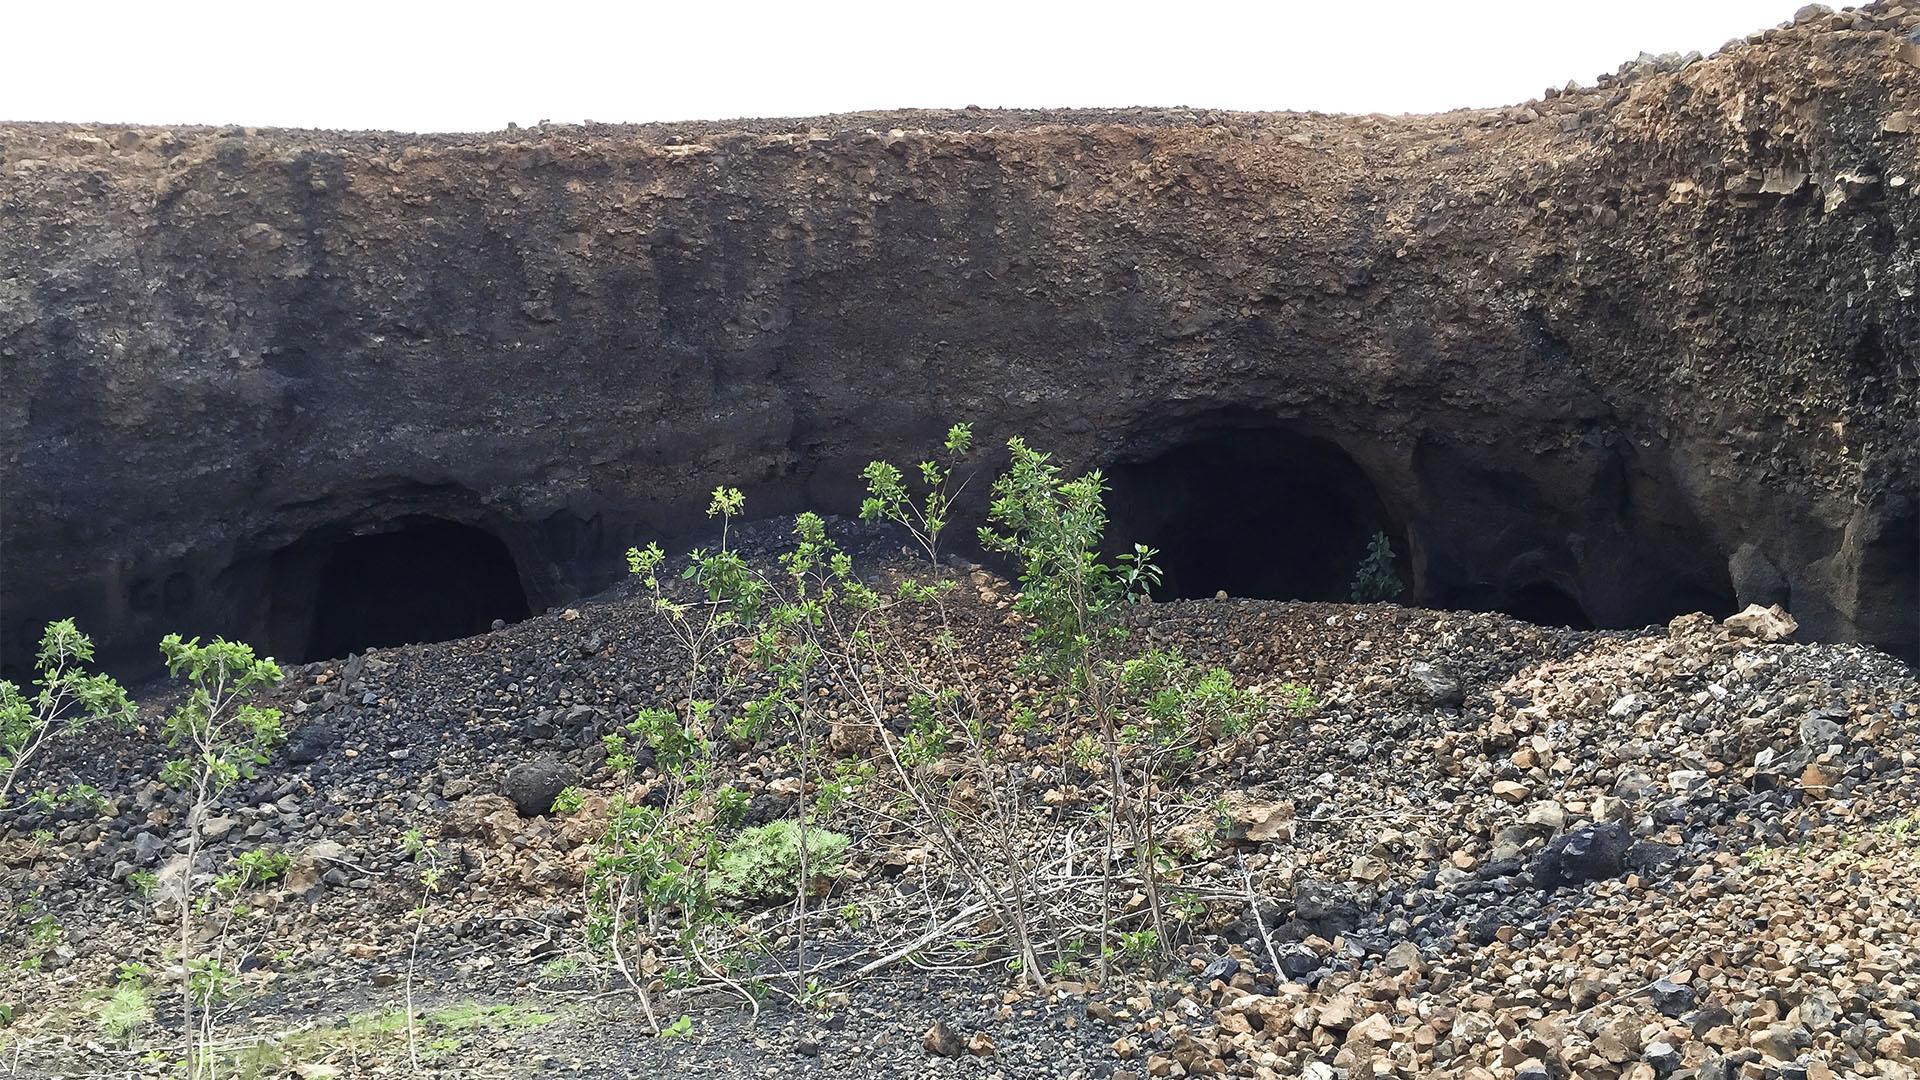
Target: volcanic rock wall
column 1651, row 344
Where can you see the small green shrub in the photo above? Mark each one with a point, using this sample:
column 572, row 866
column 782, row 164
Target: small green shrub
column 1297, row 698
column 888, row 498
column 1140, row 946
column 125, row 1013
column 253, row 868
column 1376, row 581
column 1179, row 700
column 68, row 701
column 764, row 861
column 222, row 739
column 43, row 932
column 561, row 968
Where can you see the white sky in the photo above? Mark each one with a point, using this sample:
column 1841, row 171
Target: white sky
column 472, row 66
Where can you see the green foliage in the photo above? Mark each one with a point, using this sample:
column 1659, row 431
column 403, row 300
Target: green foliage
column 1186, row 906
column 570, row 800
column 125, row 1013
column 888, row 498
column 1053, row 527
column 1179, row 701
column 560, row 968
column 843, row 780
column 1140, row 946
column 813, row 641
column 814, row 996
column 679, row 1029
column 67, row 701
column 1376, row 581
column 658, row 863
column 764, row 861
column 43, row 932
column 226, row 738
column 209, row 980
column 675, row 742
column 1297, row 698
column 90, row 797
column 251, row 868
column 927, row 739
column 1222, row 815
column 641, row 862
column 1086, row 752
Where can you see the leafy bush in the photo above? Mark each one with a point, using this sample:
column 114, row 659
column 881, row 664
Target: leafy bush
column 69, row 700
column 1376, row 581
column 888, row 498
column 764, row 861
column 224, row 738
column 126, row 1012
column 1053, row 526
column 1183, row 701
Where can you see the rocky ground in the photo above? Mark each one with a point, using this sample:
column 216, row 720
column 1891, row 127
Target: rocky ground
column 1488, row 849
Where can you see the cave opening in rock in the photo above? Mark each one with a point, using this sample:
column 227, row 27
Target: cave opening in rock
column 1546, row 604
column 418, row 579
column 1253, row 512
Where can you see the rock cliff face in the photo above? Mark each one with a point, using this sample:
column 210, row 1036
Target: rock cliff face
column 1620, row 353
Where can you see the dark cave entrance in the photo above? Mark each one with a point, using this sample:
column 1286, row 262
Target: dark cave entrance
column 1257, row 513
column 1546, row 604
column 1543, row 603
column 420, row 579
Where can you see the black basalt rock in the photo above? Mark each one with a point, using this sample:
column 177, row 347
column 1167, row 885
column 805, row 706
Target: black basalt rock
column 1584, row 854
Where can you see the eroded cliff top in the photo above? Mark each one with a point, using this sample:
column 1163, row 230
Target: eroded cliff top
column 1853, row 43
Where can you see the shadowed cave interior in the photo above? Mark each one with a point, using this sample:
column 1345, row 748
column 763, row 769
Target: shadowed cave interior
column 1270, row 514
column 1256, row 513
column 420, row 579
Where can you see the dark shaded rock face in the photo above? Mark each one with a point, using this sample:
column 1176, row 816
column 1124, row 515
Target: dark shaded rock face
column 1583, row 854
column 1615, row 356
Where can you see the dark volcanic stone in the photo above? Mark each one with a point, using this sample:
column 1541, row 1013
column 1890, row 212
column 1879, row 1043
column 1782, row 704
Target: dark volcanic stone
column 1298, row 961
column 1484, row 928
column 534, row 785
column 1224, row 968
column 1663, row 1056
column 1650, row 856
column 309, row 743
column 1499, row 868
column 1433, row 686
column 1327, row 904
column 1672, row 999
column 1583, row 854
